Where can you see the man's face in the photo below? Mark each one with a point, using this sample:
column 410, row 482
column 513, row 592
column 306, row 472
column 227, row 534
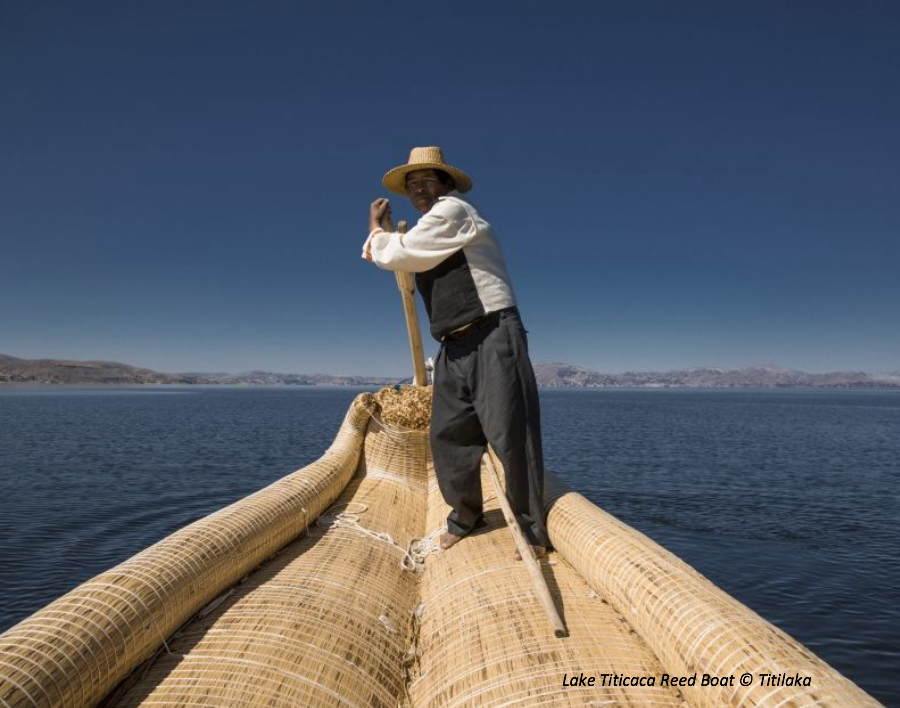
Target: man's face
column 423, row 188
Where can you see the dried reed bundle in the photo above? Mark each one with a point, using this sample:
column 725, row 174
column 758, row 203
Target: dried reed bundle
column 326, row 622
column 74, row 651
column 689, row 623
column 407, row 407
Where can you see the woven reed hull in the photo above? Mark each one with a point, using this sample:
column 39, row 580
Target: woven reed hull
column 334, row 619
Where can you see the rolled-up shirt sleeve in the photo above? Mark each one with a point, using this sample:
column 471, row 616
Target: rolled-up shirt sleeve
column 440, row 233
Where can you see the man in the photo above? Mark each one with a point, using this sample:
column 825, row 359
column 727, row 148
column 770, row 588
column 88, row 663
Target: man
column 484, row 386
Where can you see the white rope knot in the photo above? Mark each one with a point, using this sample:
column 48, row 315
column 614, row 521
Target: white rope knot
column 346, row 516
column 341, row 515
column 349, row 519
column 419, row 549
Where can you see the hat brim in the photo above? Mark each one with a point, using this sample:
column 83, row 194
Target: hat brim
column 395, row 180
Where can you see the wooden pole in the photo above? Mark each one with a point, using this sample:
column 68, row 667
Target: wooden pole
column 534, row 570
column 407, row 287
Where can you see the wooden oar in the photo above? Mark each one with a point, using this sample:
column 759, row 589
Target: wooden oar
column 407, row 286
column 534, row 570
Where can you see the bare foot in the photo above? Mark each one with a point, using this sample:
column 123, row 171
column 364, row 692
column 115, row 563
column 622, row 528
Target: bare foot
column 536, row 551
column 449, row 539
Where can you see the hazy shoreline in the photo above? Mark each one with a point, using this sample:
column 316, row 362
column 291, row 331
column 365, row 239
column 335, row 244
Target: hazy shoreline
column 60, row 372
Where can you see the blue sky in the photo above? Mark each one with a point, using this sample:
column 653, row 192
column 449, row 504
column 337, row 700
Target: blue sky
column 184, row 186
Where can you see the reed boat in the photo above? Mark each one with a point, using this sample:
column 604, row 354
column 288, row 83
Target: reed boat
column 327, row 589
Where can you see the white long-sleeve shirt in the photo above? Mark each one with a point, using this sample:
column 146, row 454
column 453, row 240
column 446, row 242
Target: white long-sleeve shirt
column 450, row 226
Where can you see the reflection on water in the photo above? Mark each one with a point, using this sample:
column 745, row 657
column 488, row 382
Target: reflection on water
column 788, row 500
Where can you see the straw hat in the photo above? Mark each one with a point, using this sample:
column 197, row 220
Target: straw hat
column 424, row 158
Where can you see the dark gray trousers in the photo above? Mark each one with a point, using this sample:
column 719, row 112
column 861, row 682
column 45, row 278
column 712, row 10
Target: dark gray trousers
column 485, row 392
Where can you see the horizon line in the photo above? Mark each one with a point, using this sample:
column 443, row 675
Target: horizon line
column 768, row 366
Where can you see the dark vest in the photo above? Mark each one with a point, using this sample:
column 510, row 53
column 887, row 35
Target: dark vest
column 451, row 298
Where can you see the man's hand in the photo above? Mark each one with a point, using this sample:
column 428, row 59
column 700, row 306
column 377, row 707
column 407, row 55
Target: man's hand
column 379, row 209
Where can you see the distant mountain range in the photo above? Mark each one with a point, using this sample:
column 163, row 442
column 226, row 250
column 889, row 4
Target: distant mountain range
column 62, row 371
column 568, row 376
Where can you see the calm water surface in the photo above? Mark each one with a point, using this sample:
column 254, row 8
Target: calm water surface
column 788, row 500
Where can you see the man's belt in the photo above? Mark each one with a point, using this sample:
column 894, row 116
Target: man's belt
column 487, row 320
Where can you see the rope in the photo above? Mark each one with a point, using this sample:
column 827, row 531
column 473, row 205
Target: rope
column 419, row 549
column 349, row 519
column 347, row 516
column 413, row 556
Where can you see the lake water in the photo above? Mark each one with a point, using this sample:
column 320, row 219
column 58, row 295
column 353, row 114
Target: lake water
column 786, row 499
